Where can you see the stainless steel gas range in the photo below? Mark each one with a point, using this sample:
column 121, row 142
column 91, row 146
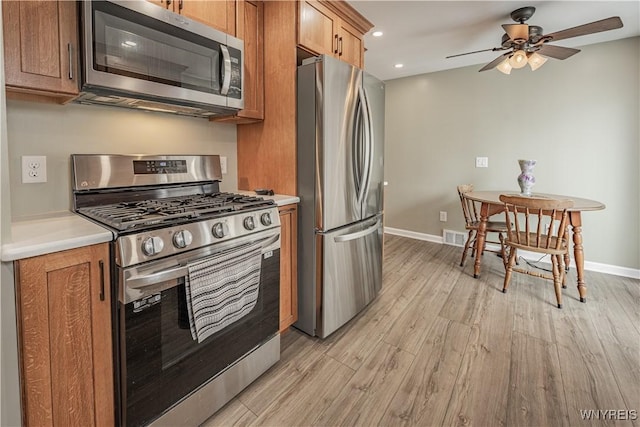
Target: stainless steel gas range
column 196, row 282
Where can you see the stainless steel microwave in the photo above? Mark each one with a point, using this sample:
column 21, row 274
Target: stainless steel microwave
column 140, row 55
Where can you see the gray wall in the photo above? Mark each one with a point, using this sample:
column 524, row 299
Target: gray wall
column 579, row 118
column 58, row 131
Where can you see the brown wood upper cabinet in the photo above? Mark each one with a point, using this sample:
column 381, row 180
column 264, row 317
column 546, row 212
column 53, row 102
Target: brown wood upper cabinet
column 332, row 28
column 64, row 327
column 41, row 50
column 218, row 14
column 250, row 28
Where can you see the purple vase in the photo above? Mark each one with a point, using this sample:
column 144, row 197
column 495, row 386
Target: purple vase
column 526, row 178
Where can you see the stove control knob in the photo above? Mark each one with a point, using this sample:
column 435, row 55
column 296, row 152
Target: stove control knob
column 265, row 219
column 220, row 229
column 182, row 239
column 249, row 223
column 152, row 246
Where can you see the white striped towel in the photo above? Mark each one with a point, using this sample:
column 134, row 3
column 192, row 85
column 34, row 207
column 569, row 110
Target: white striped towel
column 222, row 289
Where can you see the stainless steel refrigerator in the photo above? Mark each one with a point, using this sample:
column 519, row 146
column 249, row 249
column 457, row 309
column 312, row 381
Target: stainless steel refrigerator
column 340, row 126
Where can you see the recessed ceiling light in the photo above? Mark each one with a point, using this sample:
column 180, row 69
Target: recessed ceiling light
column 376, row 33
column 129, row 43
column 399, row 65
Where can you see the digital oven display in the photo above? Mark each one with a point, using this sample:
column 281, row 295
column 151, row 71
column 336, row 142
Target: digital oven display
column 157, row 167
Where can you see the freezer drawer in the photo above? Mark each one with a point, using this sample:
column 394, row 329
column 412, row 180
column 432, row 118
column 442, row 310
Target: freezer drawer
column 351, row 272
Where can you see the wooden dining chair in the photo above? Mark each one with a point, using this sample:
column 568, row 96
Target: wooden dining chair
column 537, row 225
column 471, row 211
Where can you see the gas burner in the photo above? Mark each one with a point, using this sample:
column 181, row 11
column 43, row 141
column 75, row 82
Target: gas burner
column 138, row 215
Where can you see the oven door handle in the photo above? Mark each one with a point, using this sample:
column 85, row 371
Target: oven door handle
column 175, row 272
column 154, row 278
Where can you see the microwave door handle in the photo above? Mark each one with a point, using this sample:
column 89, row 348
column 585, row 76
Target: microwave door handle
column 226, row 66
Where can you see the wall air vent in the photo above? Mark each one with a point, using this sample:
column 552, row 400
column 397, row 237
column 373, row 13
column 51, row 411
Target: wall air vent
column 453, row 238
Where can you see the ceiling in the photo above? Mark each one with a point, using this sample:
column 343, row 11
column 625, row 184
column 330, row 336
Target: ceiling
column 420, row 34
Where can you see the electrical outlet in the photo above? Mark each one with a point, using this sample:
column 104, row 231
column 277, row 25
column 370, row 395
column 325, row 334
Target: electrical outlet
column 443, row 216
column 482, row 162
column 34, row 169
column 223, row 164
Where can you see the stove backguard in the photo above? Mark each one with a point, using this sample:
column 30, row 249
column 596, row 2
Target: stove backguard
column 109, row 171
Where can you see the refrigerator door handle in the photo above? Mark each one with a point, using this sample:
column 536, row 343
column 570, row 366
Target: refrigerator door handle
column 357, row 150
column 363, row 152
column 357, row 234
column 369, row 144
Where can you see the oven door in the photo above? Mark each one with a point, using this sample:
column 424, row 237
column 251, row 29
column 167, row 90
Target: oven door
column 162, row 362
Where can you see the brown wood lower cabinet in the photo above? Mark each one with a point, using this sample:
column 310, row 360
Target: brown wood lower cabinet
column 64, row 322
column 288, row 266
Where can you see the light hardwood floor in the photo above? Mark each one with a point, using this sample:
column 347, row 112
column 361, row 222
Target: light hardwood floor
column 438, row 347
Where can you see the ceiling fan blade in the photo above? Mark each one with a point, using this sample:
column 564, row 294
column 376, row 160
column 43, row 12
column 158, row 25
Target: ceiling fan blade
column 495, row 62
column 475, row 51
column 582, row 30
column 517, row 31
column 557, row 52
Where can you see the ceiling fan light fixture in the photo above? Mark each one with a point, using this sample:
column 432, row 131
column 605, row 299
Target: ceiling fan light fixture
column 536, row 61
column 517, row 32
column 518, row 59
column 504, row 67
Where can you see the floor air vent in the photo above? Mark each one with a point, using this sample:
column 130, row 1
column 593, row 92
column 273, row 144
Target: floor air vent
column 453, row 238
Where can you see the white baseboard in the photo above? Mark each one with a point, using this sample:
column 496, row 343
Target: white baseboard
column 413, row 235
column 588, row 265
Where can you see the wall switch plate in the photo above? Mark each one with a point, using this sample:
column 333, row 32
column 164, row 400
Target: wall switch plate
column 34, row 169
column 223, row 164
column 482, row 162
column 443, row 216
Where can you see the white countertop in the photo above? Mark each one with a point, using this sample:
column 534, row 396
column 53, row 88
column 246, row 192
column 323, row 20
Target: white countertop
column 280, row 199
column 66, row 230
column 58, row 232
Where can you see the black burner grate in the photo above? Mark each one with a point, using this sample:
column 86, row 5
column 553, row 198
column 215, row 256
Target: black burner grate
column 126, row 216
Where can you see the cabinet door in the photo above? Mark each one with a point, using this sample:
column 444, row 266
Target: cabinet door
column 350, row 45
column 220, row 15
column 317, row 31
column 288, row 266
column 41, row 47
column 64, row 317
column 250, row 28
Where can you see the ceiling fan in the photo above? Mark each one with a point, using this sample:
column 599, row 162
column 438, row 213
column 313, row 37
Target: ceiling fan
column 526, row 44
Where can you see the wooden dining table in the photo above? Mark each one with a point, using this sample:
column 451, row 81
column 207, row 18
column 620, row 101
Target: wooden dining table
column 491, row 205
